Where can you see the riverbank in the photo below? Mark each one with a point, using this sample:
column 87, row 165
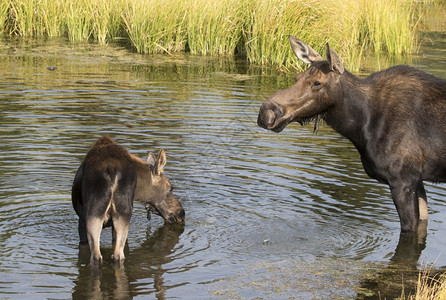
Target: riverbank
column 255, row 30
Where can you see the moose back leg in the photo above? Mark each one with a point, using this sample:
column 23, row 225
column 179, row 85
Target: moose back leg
column 82, row 229
column 94, row 228
column 120, row 231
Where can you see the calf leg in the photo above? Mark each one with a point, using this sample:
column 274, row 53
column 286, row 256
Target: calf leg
column 82, row 231
column 120, row 231
column 94, row 228
column 405, row 198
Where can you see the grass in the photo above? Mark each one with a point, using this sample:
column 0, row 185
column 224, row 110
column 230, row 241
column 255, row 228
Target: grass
column 155, row 26
column 255, row 29
column 266, row 31
column 398, row 17
column 214, row 27
column 428, row 287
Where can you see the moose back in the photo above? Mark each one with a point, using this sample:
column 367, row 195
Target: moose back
column 396, row 119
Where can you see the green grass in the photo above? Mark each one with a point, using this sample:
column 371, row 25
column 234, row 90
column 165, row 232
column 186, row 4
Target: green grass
column 155, row 26
column 213, row 27
column 255, row 29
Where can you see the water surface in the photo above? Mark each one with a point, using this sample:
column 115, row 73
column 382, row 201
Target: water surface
column 289, row 215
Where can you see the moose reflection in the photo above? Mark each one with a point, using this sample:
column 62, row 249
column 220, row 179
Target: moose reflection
column 145, row 263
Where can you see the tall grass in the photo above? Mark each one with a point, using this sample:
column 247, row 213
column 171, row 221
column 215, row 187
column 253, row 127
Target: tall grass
column 51, row 23
column 4, row 8
column 428, row 287
column 255, row 29
column 155, row 26
column 78, row 20
column 266, row 31
column 398, row 18
column 21, row 17
column 214, row 27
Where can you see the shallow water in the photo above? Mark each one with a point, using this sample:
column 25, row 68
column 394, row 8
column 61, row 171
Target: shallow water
column 289, row 215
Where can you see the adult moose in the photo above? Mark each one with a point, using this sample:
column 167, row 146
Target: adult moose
column 396, row 119
column 105, row 186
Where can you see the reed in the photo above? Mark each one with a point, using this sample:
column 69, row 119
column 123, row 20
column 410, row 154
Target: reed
column 101, row 13
column 4, row 8
column 21, row 18
column 50, row 21
column 155, row 26
column 214, row 27
column 78, row 20
column 390, row 25
column 266, row 31
column 255, row 29
column 428, row 287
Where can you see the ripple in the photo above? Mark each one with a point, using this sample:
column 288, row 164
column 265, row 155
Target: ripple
column 306, row 195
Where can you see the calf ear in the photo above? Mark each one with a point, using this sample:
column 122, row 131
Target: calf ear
column 160, row 162
column 304, row 52
column 151, row 159
column 333, row 59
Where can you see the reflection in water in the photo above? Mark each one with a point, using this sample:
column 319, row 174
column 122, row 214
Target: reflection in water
column 119, row 281
column 102, row 283
column 402, row 268
column 329, row 227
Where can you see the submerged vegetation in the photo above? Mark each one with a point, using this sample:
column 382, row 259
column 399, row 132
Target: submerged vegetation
column 256, row 30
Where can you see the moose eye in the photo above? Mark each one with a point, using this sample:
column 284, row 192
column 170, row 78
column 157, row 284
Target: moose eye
column 316, row 83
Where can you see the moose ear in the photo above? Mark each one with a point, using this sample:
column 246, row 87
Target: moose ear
column 333, row 59
column 304, row 52
column 160, row 162
column 151, row 159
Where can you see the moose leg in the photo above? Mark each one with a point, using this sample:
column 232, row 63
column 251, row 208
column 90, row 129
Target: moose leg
column 422, row 202
column 405, row 198
column 94, row 228
column 82, row 231
column 120, row 231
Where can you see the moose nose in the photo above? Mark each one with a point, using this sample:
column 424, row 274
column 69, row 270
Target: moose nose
column 267, row 115
column 180, row 216
column 177, row 217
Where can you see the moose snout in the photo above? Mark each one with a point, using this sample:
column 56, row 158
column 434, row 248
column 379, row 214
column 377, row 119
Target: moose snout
column 177, row 217
column 175, row 213
column 268, row 114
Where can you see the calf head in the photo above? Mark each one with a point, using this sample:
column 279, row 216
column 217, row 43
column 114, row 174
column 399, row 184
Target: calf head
column 157, row 192
column 315, row 90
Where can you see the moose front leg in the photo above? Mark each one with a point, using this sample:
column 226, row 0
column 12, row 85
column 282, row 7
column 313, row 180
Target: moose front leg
column 422, row 202
column 405, row 198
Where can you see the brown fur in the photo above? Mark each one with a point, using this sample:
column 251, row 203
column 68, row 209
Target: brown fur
column 105, row 186
column 395, row 118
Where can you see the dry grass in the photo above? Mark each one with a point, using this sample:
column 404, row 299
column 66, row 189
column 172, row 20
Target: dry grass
column 429, row 287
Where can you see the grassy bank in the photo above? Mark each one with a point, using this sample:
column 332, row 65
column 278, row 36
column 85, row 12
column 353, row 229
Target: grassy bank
column 254, row 29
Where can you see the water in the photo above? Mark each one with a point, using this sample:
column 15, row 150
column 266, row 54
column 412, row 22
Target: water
column 289, row 215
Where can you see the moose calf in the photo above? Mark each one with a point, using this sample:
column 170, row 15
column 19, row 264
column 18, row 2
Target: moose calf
column 105, row 186
column 395, row 118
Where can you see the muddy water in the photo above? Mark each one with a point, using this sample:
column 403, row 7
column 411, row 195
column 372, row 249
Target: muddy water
column 289, row 215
